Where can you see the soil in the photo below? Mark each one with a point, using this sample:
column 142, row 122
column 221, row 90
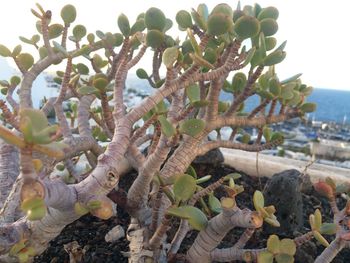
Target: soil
column 89, row 231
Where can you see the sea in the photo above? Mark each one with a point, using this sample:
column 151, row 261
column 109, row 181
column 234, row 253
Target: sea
column 332, row 105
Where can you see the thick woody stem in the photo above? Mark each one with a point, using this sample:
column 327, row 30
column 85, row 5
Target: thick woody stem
column 213, row 98
column 272, row 107
column 248, row 90
column 188, row 77
column 64, row 36
column 184, row 227
column 155, row 210
column 9, row 171
column 107, row 113
column 120, row 77
column 259, row 108
column 157, row 237
column 10, row 99
column 178, row 238
column 139, row 190
column 29, row 77
column 300, row 240
column 232, row 254
column 331, row 251
column 156, row 65
column 182, row 115
column 239, row 146
column 142, row 130
column 206, row 191
column 66, row 132
column 8, row 116
column 138, row 57
column 334, row 206
column 253, row 122
column 155, row 139
column 242, row 241
column 217, row 228
column 45, row 30
column 117, row 59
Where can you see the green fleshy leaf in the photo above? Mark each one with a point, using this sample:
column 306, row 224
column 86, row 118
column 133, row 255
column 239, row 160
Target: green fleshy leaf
column 82, row 69
column 219, row 24
column 155, row 19
column 199, row 20
column 79, row 31
column 4, row 91
column 214, row 204
column 68, row 14
column 15, row 80
column 268, row 12
column 43, row 52
column 25, row 60
column 183, row 18
column 274, row 58
column 16, row 51
column 265, row 257
column 167, row 128
column 267, row 132
column 288, row 247
column 191, row 171
column 44, row 136
column 291, row 79
column 193, row 93
column 328, row 228
column 139, row 26
column 274, row 86
column 203, row 179
column 308, row 107
column 268, row 26
column 55, row 30
column 141, row 73
column 247, row 27
column 184, row 187
column 124, row 25
column 284, row 258
column 239, row 81
column 258, row 200
column 100, row 83
column 154, row 38
column 36, row 117
column 192, row 127
column 87, row 90
column 4, row 51
column 60, row 48
column 195, row 217
column 170, row 56
column 273, row 244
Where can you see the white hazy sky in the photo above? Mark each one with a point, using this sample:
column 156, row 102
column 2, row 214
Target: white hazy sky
column 317, row 31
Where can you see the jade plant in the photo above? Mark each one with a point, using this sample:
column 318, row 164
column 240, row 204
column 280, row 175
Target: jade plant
column 95, row 140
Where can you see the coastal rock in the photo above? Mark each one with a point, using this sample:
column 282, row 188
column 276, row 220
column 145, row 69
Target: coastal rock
column 283, row 191
column 115, row 234
column 213, row 157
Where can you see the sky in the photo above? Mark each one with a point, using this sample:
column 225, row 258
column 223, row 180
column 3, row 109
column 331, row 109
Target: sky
column 317, row 32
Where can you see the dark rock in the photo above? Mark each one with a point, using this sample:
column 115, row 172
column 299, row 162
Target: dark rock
column 283, row 191
column 306, row 253
column 213, row 157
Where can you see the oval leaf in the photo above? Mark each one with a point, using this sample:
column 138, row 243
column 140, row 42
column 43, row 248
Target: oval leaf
column 192, row 127
column 184, row 187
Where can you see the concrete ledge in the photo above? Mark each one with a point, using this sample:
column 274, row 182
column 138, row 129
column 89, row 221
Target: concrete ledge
column 269, row 165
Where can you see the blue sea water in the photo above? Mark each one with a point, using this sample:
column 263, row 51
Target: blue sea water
column 332, row 105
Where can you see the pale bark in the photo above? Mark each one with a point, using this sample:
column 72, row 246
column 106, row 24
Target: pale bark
column 217, row 228
column 9, row 171
column 330, row 252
